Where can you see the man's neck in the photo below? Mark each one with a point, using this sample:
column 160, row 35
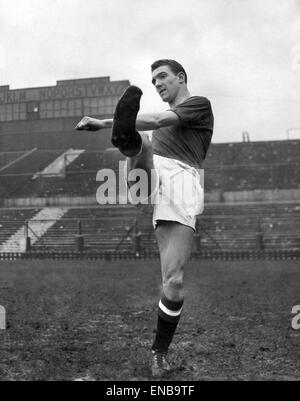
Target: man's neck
column 181, row 97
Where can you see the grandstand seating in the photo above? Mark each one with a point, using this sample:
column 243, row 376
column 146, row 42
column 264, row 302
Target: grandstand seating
column 9, row 157
column 14, row 179
column 253, row 165
column 228, row 167
column 12, row 219
column 86, row 162
column 79, row 178
column 224, row 227
column 253, row 153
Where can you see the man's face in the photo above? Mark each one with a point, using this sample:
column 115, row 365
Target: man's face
column 167, row 84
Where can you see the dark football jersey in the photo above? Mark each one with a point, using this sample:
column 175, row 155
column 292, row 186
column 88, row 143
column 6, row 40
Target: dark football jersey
column 187, row 141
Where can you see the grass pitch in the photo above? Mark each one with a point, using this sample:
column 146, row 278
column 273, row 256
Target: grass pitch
column 95, row 320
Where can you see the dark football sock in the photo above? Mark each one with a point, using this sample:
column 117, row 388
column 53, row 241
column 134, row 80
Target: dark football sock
column 168, row 318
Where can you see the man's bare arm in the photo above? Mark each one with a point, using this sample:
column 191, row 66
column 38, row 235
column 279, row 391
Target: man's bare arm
column 152, row 121
column 93, row 124
column 144, row 122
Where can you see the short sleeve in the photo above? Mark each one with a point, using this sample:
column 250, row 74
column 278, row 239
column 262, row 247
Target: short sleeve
column 195, row 111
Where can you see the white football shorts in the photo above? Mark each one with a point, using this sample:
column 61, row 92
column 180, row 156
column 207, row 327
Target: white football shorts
column 180, row 195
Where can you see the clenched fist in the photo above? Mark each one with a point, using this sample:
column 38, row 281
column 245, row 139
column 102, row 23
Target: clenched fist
column 89, row 124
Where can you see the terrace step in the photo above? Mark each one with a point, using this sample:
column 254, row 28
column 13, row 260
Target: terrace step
column 58, row 166
column 41, row 222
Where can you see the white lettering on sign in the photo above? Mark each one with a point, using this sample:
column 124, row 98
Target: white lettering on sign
column 61, row 92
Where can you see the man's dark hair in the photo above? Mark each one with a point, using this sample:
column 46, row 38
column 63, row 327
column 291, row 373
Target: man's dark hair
column 175, row 67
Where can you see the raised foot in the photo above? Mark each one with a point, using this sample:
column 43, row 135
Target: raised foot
column 124, row 134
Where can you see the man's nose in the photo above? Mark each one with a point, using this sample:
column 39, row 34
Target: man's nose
column 158, row 84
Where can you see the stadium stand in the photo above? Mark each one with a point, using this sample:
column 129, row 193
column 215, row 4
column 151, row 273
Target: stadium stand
column 236, row 167
column 229, row 167
column 253, row 152
column 7, row 158
column 14, row 178
column 230, row 227
column 253, row 165
column 11, row 220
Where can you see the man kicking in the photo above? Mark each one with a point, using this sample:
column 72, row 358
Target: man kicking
column 180, row 140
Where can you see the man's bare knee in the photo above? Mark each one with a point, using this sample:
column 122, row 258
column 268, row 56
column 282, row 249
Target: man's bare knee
column 175, row 283
column 173, row 288
column 173, row 280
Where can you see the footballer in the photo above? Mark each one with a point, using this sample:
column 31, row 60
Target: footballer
column 180, row 140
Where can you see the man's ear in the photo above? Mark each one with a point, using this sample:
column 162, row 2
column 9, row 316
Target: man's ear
column 181, row 77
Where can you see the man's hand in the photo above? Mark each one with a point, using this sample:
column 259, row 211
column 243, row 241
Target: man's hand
column 89, row 124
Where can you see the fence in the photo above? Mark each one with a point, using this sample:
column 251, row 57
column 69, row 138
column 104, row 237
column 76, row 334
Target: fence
column 115, row 256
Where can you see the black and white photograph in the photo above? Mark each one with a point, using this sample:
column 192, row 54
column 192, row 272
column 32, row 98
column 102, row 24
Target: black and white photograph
column 149, row 193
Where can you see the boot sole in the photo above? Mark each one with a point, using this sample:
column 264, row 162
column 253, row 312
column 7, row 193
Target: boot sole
column 125, row 116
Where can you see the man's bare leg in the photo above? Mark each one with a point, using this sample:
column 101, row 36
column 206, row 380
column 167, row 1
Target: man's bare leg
column 175, row 246
column 175, row 243
column 144, row 161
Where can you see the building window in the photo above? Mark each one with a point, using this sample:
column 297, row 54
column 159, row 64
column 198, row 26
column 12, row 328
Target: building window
column 22, row 109
column 8, row 112
column 96, row 106
column 13, row 112
column 2, row 113
column 16, row 111
column 33, row 110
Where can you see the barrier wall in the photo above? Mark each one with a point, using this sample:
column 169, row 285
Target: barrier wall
column 290, row 195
